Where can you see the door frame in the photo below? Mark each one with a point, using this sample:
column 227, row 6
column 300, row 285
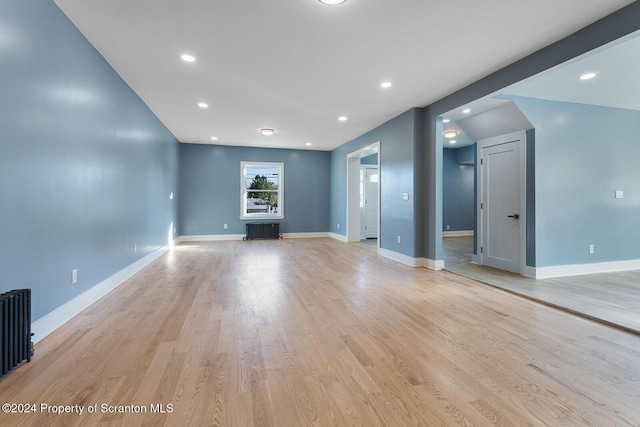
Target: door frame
column 353, row 191
column 520, row 137
column 363, row 210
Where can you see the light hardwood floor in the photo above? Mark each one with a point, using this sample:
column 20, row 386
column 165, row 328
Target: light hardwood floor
column 315, row 332
column 612, row 298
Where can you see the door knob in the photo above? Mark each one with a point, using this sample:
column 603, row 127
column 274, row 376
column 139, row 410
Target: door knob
column 514, row 216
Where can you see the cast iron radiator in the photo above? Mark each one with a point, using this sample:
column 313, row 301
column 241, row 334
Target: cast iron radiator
column 263, row 231
column 15, row 327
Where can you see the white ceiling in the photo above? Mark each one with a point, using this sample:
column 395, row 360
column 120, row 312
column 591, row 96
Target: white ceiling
column 296, row 65
column 617, row 67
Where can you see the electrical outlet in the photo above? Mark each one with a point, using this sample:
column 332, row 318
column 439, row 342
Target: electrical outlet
column 592, row 249
column 74, row 276
column 398, row 239
column 338, row 225
column 135, row 248
column 447, row 226
column 225, row 226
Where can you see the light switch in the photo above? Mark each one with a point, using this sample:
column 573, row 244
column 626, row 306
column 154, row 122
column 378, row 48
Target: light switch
column 405, row 196
column 619, row 194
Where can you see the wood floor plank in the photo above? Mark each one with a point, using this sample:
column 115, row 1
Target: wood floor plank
column 612, row 298
column 315, row 332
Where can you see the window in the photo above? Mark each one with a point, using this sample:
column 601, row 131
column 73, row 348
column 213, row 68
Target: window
column 262, row 194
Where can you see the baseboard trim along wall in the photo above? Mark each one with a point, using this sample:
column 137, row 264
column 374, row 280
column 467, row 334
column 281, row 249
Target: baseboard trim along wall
column 306, row 235
column 211, row 237
column 458, row 233
column 61, row 315
column 338, row 237
column 580, row 269
column 412, row 262
column 223, row 237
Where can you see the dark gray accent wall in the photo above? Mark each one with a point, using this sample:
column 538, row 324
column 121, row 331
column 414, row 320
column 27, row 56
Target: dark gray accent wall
column 210, row 188
column 531, row 198
column 86, row 169
column 621, row 23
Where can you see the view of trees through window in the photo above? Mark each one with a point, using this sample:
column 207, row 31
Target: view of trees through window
column 261, row 189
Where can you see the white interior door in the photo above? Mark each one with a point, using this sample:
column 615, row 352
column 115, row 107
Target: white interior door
column 501, row 205
column 371, row 179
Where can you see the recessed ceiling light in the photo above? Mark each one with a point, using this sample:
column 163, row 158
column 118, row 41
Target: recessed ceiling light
column 267, row 132
column 332, row 2
column 188, row 58
column 203, row 105
column 466, row 110
column 385, row 85
column 587, row 76
column 453, row 141
column 214, row 138
column 342, row 118
column 308, row 144
column 450, row 133
column 445, row 120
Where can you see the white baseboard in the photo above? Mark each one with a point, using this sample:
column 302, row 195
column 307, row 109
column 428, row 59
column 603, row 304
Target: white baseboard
column 580, row 269
column 529, row 272
column 412, row 262
column 432, row 264
column 61, row 315
column 338, row 237
column 306, row 235
column 223, row 237
column 211, row 237
column 458, row 233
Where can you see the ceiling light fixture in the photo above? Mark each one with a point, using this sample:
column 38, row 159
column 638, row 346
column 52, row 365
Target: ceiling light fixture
column 587, row 76
column 385, row 85
column 342, row 118
column 453, row 141
column 450, row 133
column 203, row 105
column 332, row 2
column 466, row 110
column 445, row 120
column 267, row 132
column 308, row 144
column 213, row 138
column 188, row 58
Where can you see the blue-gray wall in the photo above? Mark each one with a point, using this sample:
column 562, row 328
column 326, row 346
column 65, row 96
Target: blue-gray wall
column 459, row 186
column 370, row 160
column 399, row 140
column 210, row 188
column 466, row 155
column 85, row 168
column 583, row 154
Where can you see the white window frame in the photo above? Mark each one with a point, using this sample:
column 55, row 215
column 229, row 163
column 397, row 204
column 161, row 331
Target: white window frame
column 243, row 191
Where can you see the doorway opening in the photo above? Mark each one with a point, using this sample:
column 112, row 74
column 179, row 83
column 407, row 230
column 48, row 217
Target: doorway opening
column 363, row 195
